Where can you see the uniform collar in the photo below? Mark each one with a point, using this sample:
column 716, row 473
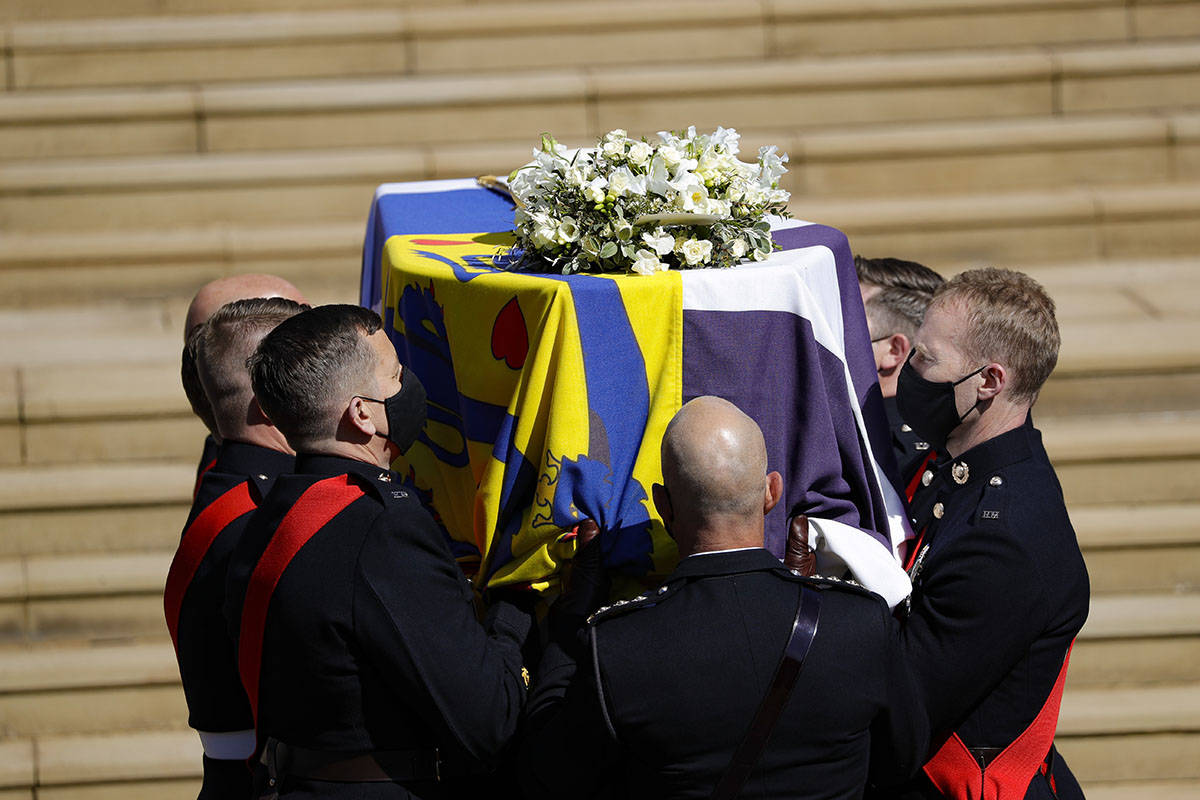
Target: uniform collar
column 892, row 410
column 320, row 464
column 252, row 460
column 987, row 458
column 751, row 560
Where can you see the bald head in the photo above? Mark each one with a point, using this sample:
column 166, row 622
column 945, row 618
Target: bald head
column 715, row 471
column 236, row 287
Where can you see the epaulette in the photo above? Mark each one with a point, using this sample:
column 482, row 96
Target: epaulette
column 644, row 600
column 830, row 582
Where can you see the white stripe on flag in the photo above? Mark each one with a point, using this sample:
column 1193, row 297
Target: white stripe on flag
column 802, row 282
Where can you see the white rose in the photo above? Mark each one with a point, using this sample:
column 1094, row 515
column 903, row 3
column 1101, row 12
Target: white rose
column 661, row 243
column 618, row 181
column 568, row 231
column 576, row 177
column 544, row 236
column 647, row 263
column 640, row 152
column 613, row 149
column 596, row 190
column 671, row 155
column 696, row 251
column 737, row 248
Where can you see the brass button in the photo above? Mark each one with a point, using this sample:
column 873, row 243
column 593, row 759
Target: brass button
column 939, row 510
column 905, row 428
column 996, row 480
column 927, row 477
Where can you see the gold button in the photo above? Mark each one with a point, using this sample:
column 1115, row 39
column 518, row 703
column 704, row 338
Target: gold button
column 938, row 510
column 996, row 480
column 905, row 429
column 927, row 478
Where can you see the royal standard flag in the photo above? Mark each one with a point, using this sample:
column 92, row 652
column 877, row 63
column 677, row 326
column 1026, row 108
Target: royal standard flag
column 549, row 394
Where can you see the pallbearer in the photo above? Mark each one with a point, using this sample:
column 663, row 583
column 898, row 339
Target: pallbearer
column 212, row 296
column 358, row 642
column 253, row 454
column 999, row 586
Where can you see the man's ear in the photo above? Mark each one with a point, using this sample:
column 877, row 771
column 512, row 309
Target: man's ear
column 359, row 418
column 255, row 415
column 662, row 503
column 995, row 378
column 773, row 492
column 898, row 348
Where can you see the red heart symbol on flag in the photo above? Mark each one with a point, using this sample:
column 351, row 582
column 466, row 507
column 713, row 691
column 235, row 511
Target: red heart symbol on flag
column 510, row 340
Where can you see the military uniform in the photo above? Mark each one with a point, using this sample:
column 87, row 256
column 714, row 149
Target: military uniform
column 909, row 448
column 208, row 459
column 671, row 681
column 193, row 599
column 370, row 673
column 999, row 592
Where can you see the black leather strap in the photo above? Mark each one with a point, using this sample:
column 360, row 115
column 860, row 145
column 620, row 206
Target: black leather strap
column 751, row 749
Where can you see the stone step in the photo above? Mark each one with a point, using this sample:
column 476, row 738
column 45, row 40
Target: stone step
column 89, row 596
column 329, row 185
column 1144, row 790
column 80, row 689
column 347, row 42
column 144, row 764
column 1114, row 734
column 1020, row 229
column 1126, row 459
column 22, row 10
column 1137, row 640
column 1140, row 548
column 581, row 102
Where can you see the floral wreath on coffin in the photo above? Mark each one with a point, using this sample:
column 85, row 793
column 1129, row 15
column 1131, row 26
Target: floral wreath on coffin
column 684, row 202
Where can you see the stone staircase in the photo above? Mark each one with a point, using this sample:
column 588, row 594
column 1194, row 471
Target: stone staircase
column 147, row 146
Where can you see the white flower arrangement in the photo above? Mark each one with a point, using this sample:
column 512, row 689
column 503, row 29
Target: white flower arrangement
column 685, row 201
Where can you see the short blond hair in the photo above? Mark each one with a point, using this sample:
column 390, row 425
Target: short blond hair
column 1010, row 320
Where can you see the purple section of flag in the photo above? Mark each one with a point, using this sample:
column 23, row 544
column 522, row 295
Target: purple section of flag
column 859, row 357
column 769, row 364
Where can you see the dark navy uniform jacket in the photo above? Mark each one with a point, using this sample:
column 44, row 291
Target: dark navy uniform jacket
column 909, row 448
column 371, row 639
column 999, row 592
column 673, row 679
column 207, row 663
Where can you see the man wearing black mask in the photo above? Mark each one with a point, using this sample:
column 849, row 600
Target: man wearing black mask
column 999, row 585
column 358, row 643
column 895, row 294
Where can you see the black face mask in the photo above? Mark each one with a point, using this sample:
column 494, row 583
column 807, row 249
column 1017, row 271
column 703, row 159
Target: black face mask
column 929, row 407
column 405, row 411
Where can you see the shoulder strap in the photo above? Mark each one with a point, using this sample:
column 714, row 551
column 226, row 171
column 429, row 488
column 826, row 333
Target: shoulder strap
column 320, row 503
column 194, row 545
column 747, row 756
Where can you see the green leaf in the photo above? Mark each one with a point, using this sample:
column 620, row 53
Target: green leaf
column 608, row 250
